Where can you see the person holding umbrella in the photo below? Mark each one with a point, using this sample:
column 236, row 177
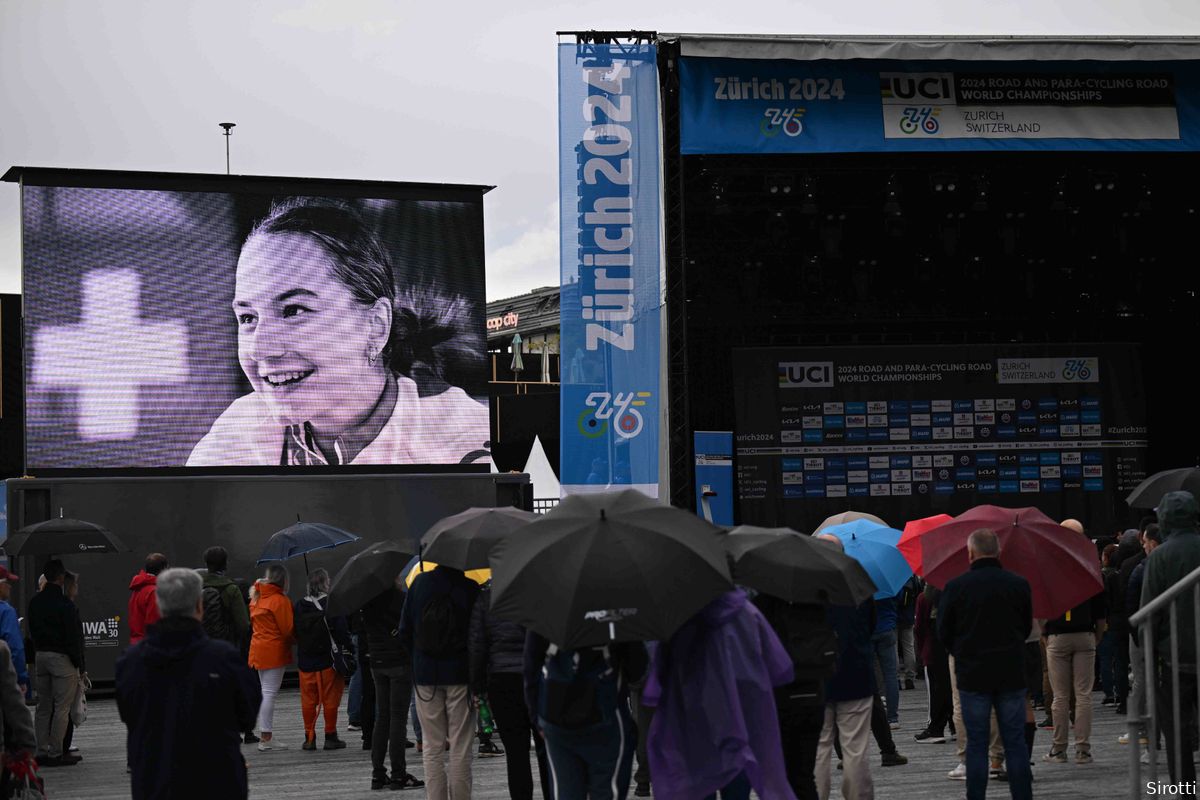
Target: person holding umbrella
column 497, row 651
column 272, row 623
column 1071, row 641
column 320, row 684
column 433, row 627
column 984, row 618
column 391, row 674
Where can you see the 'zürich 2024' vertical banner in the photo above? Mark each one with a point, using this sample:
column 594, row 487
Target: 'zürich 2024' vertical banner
column 609, row 228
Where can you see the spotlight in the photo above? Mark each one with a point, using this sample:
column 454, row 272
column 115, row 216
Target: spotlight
column 891, row 197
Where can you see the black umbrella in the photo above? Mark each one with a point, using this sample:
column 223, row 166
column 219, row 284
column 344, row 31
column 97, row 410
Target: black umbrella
column 366, row 576
column 797, row 568
column 1151, row 490
column 61, row 536
column 615, row 566
column 301, row 539
column 464, row 540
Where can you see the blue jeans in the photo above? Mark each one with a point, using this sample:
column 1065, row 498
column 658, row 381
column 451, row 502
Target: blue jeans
column 1106, row 651
column 887, row 668
column 1010, row 716
column 593, row 761
column 354, row 704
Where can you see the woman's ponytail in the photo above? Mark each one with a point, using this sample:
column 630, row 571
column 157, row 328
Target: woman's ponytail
column 429, row 342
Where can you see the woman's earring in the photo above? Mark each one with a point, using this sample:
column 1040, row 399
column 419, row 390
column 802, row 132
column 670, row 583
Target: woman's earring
column 371, row 356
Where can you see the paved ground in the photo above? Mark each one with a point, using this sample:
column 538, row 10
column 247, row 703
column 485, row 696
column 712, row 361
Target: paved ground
column 299, row 775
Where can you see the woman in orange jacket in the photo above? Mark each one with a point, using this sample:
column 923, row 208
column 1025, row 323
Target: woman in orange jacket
column 270, row 644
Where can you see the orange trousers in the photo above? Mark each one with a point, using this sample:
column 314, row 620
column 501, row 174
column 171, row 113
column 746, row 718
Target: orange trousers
column 322, row 689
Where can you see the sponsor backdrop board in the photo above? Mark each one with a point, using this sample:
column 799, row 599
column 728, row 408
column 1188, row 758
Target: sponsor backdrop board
column 610, row 251
column 827, row 106
column 210, row 323
column 906, row 432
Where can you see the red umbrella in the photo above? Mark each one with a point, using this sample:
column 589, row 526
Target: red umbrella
column 910, row 541
column 1060, row 564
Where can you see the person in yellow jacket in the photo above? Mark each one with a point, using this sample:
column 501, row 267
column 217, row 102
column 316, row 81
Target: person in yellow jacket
column 271, row 640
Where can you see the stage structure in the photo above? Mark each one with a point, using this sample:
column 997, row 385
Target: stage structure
column 209, row 358
column 891, row 202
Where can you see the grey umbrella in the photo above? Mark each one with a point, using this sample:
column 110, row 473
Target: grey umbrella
column 463, row 540
column 611, row 566
column 797, row 568
column 518, row 366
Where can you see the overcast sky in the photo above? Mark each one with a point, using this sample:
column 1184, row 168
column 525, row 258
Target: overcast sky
column 385, row 90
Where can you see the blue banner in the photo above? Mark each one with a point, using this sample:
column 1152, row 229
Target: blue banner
column 828, row 106
column 609, row 228
column 714, row 475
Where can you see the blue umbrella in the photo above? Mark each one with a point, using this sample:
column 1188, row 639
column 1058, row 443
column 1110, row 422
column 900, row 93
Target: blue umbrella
column 301, row 539
column 874, row 546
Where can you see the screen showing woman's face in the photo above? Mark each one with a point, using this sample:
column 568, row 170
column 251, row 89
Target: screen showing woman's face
column 303, row 340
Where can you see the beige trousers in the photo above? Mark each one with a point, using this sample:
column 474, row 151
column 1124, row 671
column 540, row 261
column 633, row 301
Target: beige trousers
column 446, row 716
column 995, row 746
column 853, row 721
column 1072, row 661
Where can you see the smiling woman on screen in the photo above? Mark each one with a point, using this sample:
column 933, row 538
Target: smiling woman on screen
column 345, row 369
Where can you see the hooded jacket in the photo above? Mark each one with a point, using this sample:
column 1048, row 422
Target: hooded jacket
column 143, row 606
column 273, row 628
column 237, row 615
column 185, row 698
column 728, row 655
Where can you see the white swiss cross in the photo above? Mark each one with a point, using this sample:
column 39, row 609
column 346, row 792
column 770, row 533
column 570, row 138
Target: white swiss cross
column 110, row 355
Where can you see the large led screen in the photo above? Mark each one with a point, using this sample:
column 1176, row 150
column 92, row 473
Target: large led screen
column 252, row 329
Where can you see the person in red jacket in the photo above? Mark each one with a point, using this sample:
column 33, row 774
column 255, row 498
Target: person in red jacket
column 143, row 607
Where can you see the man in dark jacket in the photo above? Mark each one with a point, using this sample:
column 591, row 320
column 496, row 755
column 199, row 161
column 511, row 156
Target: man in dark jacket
column 185, row 699
column 437, row 615
column 225, row 613
column 1172, row 561
column 804, row 631
column 57, row 635
column 497, row 652
column 984, row 618
column 391, row 675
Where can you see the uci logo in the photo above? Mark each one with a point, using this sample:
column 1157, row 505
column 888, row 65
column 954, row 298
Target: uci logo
column 600, row 407
column 805, row 374
column 917, row 87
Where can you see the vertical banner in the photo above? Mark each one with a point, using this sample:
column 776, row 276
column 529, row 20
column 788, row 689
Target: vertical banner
column 609, row 228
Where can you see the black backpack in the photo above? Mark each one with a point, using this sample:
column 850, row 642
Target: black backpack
column 807, row 637
column 217, row 623
column 440, row 631
column 579, row 689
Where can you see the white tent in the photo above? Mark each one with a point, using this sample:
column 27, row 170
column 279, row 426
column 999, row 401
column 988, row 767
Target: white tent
column 541, row 474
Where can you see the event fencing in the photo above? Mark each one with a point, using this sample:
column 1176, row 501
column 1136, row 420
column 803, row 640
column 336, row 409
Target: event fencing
column 1149, row 719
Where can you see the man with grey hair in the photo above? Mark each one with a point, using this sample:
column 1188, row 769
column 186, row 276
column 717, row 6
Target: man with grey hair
column 185, row 699
column 984, row 618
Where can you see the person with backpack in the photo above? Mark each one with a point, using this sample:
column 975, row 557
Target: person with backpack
column 715, row 725
column 321, row 685
column 433, row 627
column 226, row 616
column 808, row 639
column 391, row 672
column 580, row 702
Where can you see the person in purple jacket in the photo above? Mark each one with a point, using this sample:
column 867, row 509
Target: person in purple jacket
column 715, row 726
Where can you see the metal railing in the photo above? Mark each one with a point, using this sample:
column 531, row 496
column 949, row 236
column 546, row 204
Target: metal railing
column 1146, row 719
column 543, row 504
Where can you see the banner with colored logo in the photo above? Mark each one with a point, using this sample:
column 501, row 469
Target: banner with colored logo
column 763, row 106
column 904, row 432
column 610, row 300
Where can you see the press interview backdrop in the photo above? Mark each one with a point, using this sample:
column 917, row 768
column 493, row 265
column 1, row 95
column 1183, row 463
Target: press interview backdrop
column 907, row 432
column 131, row 342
